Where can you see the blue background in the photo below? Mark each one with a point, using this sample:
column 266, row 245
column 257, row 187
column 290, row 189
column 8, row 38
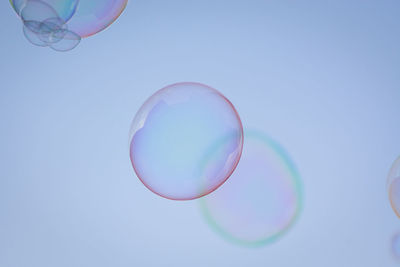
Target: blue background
column 321, row 77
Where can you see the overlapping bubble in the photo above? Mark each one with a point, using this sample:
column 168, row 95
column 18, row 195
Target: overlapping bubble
column 172, row 133
column 393, row 186
column 262, row 198
column 60, row 24
column 63, row 9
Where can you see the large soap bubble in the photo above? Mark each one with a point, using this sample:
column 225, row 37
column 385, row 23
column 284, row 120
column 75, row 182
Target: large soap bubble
column 93, row 16
column 262, row 198
column 393, row 185
column 172, row 133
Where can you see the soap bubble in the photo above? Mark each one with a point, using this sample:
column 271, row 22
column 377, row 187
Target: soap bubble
column 262, row 198
column 31, row 30
column 47, row 31
column 171, row 135
column 395, row 245
column 38, row 11
column 49, row 28
column 92, row 16
column 67, row 40
column 394, row 195
column 34, row 14
column 393, row 185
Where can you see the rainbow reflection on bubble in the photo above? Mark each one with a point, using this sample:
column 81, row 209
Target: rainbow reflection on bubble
column 262, row 198
column 173, row 131
column 93, row 16
column 393, row 186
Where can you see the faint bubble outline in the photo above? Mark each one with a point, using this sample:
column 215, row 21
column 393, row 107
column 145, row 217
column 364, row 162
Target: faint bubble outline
column 282, row 153
column 394, row 173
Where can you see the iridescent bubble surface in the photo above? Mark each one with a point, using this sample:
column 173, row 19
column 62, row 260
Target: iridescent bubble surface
column 262, row 198
column 172, row 133
column 64, row 9
column 92, row 17
column 393, row 185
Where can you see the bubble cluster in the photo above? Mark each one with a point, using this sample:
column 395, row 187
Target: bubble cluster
column 61, row 24
column 262, row 198
column 172, row 134
column 393, row 185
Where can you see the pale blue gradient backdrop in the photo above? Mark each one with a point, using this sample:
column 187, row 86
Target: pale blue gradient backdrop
column 320, row 77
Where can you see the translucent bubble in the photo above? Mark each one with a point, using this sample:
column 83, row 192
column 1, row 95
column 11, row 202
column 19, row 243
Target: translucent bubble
column 31, row 30
column 395, row 245
column 67, row 40
column 38, row 18
column 171, row 135
column 52, row 30
column 262, row 198
column 393, row 185
column 94, row 16
column 37, row 11
column 63, row 9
